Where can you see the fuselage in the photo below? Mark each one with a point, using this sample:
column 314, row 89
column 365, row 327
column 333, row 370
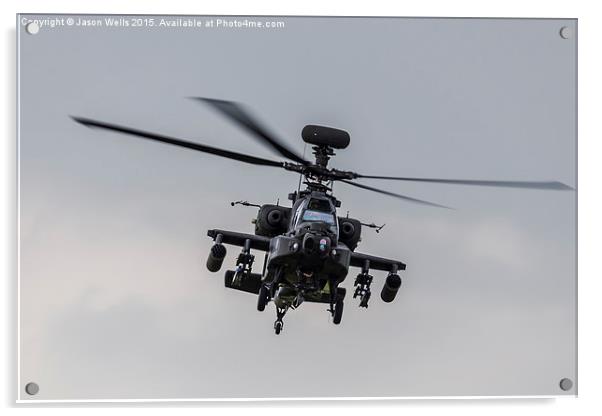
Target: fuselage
column 309, row 256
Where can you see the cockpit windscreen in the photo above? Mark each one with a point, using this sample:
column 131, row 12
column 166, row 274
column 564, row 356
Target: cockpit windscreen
column 311, row 215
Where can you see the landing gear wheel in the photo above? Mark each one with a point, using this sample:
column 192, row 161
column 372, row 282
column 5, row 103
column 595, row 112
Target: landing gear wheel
column 262, row 298
column 338, row 312
column 278, row 325
column 229, row 277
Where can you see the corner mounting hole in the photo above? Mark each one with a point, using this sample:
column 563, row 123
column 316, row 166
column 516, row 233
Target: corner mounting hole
column 566, row 384
column 32, row 389
column 566, row 32
column 32, row 28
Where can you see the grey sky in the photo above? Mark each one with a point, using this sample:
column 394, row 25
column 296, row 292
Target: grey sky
column 115, row 299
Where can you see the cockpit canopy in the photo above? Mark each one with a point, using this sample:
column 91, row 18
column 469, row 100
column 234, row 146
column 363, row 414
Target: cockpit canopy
column 314, row 209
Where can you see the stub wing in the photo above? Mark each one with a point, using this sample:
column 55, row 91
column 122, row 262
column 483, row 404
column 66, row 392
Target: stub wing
column 376, row 263
column 258, row 242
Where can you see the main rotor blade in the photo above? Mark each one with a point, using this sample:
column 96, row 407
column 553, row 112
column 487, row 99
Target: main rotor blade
column 177, row 142
column 548, row 185
column 406, row 198
column 237, row 114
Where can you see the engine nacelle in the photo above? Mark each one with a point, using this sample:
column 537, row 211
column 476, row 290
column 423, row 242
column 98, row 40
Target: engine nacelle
column 350, row 232
column 272, row 220
column 392, row 285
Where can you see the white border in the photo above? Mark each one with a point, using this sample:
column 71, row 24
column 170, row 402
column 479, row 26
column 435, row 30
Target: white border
column 590, row 67
column 292, row 399
column 18, row 162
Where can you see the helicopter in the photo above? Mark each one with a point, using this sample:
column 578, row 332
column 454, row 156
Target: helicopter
column 308, row 248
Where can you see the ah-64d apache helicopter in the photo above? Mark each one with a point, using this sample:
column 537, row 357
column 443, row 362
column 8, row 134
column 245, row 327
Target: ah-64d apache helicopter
column 309, row 249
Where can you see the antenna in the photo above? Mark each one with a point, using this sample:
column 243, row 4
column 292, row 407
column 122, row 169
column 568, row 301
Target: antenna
column 244, row 203
column 377, row 228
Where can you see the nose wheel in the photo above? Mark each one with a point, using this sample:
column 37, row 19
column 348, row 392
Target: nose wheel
column 279, row 324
